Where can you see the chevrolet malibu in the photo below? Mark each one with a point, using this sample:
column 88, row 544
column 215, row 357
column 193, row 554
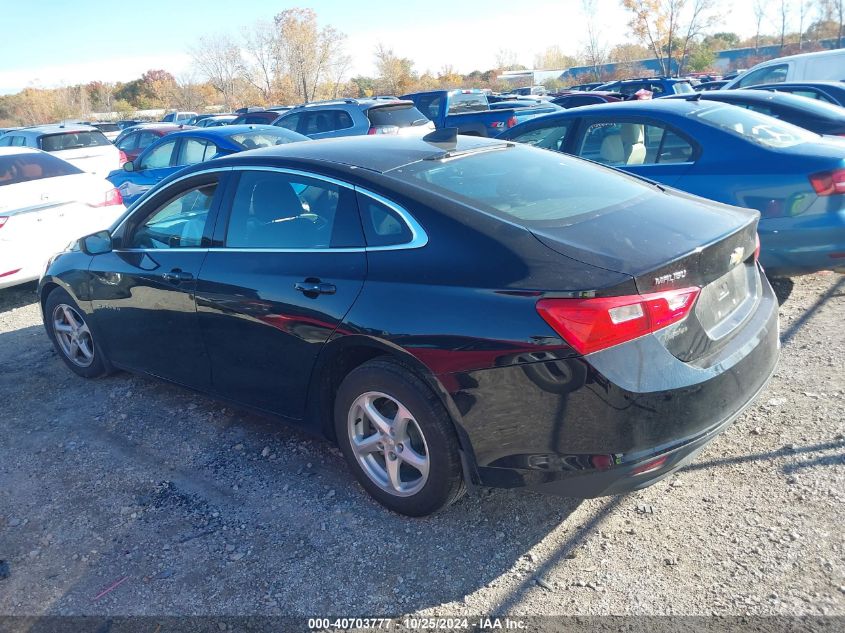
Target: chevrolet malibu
column 450, row 310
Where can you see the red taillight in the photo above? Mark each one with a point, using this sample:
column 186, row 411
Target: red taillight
column 10, row 272
column 511, row 122
column 123, row 158
column 756, row 246
column 590, row 325
column 3, row 220
column 828, row 183
column 112, row 197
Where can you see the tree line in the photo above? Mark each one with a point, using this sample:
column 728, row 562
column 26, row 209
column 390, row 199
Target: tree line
column 293, row 58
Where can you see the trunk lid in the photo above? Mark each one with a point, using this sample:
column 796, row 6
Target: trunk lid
column 676, row 241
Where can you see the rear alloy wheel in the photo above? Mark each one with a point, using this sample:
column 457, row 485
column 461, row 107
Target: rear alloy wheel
column 398, row 439
column 72, row 336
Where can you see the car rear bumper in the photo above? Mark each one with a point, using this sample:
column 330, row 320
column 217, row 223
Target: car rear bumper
column 804, row 244
column 593, row 426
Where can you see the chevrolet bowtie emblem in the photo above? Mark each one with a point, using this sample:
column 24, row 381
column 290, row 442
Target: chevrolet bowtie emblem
column 737, row 255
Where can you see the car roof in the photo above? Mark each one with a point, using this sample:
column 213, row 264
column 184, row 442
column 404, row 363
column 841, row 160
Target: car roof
column 225, row 131
column 374, row 153
column 158, row 127
column 57, row 128
column 10, row 151
column 777, row 60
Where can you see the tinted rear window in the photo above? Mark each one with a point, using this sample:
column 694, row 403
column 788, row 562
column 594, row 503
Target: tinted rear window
column 467, row 102
column 533, row 187
column 23, row 167
column 71, row 140
column 683, row 87
column 107, row 127
column 401, row 116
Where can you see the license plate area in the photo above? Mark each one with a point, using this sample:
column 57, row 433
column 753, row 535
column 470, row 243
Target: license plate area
column 726, row 302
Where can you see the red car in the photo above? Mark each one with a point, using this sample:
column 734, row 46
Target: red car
column 134, row 140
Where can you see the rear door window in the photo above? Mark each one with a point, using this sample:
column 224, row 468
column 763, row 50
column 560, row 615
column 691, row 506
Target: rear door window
column 632, row 143
column 128, row 142
column 277, row 210
column 195, row 150
column 429, row 105
column 324, row 121
column 290, row 122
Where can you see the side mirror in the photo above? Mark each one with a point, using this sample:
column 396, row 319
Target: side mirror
column 129, row 166
column 96, row 244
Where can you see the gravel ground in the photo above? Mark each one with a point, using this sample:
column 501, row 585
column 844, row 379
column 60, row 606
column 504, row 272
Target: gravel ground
column 186, row 506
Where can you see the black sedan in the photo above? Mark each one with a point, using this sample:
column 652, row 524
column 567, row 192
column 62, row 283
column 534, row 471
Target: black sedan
column 450, row 310
column 826, row 91
column 811, row 114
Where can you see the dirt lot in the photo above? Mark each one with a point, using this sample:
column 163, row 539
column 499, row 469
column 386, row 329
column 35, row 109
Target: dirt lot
column 191, row 507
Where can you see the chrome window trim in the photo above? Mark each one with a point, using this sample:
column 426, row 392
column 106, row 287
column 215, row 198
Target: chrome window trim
column 419, row 237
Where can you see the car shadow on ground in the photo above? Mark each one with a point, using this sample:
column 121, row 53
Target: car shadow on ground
column 185, row 495
column 17, row 296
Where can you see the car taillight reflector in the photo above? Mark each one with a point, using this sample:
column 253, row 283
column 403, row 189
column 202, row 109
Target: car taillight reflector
column 384, row 129
column 590, row 325
column 112, row 197
column 828, row 183
column 650, row 466
column 3, row 220
column 11, row 272
column 756, row 246
column 511, row 122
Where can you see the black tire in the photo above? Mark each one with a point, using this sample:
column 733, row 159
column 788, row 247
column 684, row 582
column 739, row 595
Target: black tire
column 99, row 365
column 444, row 484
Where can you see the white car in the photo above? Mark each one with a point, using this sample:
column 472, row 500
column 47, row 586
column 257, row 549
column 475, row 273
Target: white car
column 818, row 66
column 46, row 203
column 81, row 145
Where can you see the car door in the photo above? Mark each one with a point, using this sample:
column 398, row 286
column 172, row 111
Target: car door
column 287, row 264
column 152, row 166
column 142, row 292
column 641, row 146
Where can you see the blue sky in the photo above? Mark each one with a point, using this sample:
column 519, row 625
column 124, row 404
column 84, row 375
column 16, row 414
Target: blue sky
column 71, row 41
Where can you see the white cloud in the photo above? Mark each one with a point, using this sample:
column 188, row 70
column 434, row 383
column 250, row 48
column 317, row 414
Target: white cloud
column 107, row 69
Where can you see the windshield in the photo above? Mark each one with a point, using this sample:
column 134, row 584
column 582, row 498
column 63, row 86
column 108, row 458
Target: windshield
column 266, row 138
column 755, row 127
column 533, row 187
column 23, row 167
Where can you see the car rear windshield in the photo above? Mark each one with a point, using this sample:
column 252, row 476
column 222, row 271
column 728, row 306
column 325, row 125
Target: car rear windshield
column 755, row 127
column 107, row 127
column 533, row 187
column 72, row 140
column 23, row 167
column 460, row 102
column 404, row 115
column 266, row 138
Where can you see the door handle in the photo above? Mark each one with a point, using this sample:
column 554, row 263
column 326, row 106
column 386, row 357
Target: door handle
column 176, row 275
column 315, row 288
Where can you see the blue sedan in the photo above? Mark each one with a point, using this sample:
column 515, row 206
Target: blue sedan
column 793, row 177
column 178, row 150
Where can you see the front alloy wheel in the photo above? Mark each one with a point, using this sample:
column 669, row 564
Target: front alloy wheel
column 73, row 336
